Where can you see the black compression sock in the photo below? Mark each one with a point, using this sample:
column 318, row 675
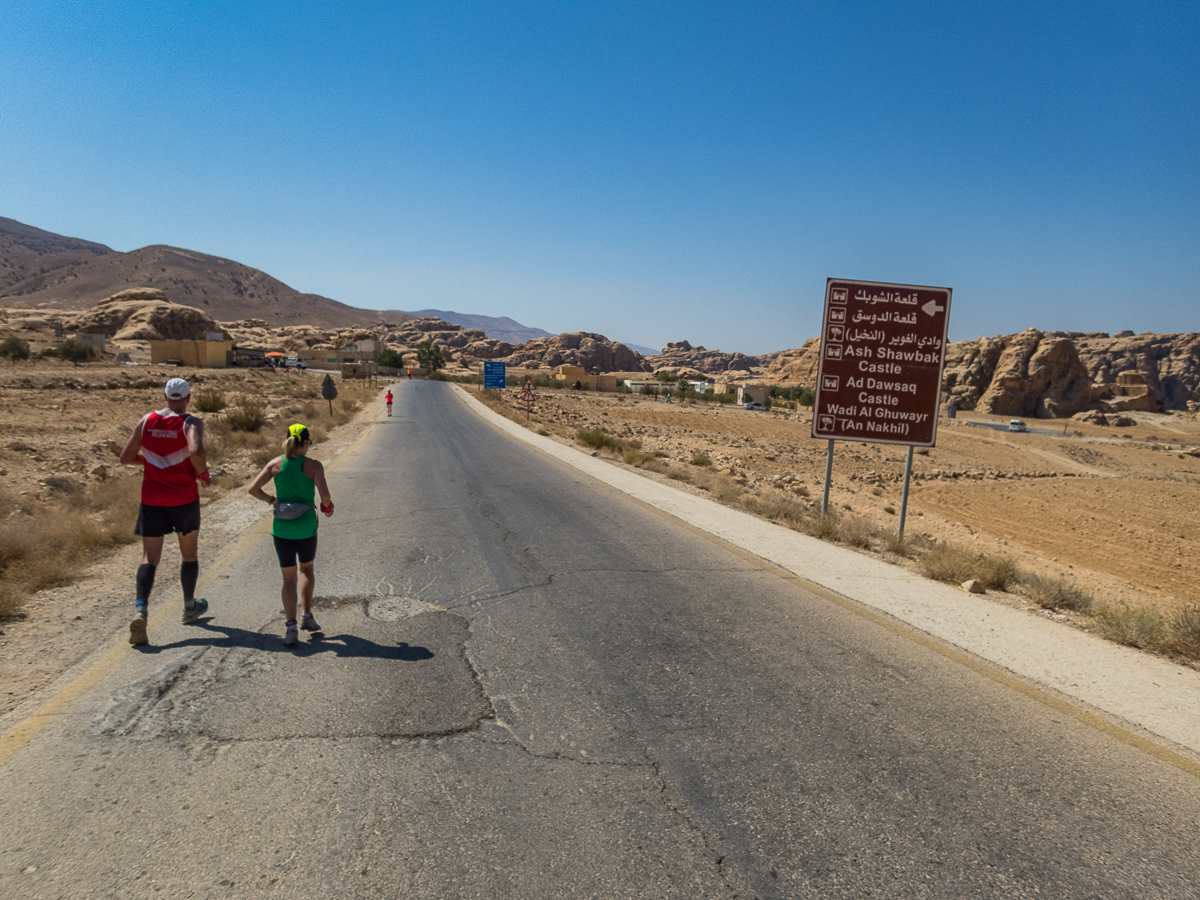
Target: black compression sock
column 188, row 573
column 145, row 581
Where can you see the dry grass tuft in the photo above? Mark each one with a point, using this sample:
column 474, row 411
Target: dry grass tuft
column 47, row 544
column 701, row 459
column 1056, row 593
column 1185, row 633
column 637, row 458
column 1141, row 627
column 954, row 564
column 777, row 509
column 598, row 439
column 857, row 533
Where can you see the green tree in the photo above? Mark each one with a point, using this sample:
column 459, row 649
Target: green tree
column 429, row 356
column 666, row 377
column 74, row 351
column 14, row 348
column 393, row 359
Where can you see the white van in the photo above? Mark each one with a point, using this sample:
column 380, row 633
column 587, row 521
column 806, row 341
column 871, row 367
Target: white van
column 1016, row 425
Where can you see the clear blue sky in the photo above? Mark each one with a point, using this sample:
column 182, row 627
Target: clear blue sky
column 650, row 171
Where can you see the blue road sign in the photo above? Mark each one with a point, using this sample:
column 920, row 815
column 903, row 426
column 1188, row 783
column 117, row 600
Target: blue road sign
column 494, row 374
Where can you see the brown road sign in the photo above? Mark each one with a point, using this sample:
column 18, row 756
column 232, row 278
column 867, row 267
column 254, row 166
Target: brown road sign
column 882, row 351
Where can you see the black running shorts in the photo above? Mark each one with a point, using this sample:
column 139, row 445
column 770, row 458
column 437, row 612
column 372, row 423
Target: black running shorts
column 288, row 549
column 155, row 521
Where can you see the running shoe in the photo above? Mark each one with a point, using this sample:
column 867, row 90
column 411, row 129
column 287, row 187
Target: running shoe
column 192, row 614
column 308, row 623
column 292, row 637
column 137, row 628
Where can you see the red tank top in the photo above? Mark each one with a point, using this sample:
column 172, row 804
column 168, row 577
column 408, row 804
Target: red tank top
column 168, row 478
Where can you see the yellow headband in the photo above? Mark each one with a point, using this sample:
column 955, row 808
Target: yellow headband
column 299, row 432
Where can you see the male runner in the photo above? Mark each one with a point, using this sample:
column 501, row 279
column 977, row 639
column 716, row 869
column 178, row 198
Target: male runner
column 388, row 399
column 170, row 445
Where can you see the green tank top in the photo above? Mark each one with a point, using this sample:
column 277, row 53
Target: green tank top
column 293, row 486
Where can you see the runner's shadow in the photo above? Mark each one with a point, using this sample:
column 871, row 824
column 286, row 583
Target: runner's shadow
column 230, row 638
column 342, row 645
column 351, row 645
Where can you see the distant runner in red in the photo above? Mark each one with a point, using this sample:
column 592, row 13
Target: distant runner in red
column 170, row 446
column 387, row 398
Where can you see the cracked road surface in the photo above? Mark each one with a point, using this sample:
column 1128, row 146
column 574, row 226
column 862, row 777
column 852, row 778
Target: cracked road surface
column 531, row 686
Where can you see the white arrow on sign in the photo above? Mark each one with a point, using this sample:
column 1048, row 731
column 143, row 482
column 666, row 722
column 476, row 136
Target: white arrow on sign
column 931, row 308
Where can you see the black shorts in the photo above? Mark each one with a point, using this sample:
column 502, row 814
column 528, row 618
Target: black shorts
column 288, row 549
column 155, row 521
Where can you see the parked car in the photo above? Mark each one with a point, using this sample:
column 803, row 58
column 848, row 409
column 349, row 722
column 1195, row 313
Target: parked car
column 1016, row 425
column 755, row 405
column 294, row 362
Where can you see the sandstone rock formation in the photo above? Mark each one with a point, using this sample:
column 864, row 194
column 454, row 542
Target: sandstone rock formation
column 142, row 314
column 681, row 358
column 1039, row 376
column 578, row 348
column 797, row 367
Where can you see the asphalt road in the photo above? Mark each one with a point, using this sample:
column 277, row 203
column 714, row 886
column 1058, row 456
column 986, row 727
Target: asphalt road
column 531, row 686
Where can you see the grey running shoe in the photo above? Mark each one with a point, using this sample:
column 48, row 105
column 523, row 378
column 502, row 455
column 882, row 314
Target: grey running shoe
column 137, row 628
column 192, row 614
column 292, row 637
column 308, row 623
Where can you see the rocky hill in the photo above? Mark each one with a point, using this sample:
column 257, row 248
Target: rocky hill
column 1053, row 374
column 27, row 252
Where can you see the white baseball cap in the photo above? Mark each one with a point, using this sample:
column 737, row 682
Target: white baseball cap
column 177, row 389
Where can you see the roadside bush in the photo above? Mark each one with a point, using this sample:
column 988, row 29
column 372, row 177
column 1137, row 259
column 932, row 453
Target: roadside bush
column 1056, row 593
column 248, row 415
column 954, row 564
column 14, row 349
column 701, row 459
column 75, row 351
column 209, row 400
column 598, row 439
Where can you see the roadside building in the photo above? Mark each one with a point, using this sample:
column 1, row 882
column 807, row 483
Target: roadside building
column 753, row 393
column 210, row 350
column 591, row 382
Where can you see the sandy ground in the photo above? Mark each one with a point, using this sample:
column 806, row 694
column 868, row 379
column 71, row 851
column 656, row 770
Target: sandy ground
column 1112, row 510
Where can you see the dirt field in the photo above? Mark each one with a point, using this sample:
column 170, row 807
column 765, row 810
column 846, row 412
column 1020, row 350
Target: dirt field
column 1114, row 512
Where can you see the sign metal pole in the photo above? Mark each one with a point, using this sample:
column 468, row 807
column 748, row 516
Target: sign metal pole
column 904, row 496
column 828, row 478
